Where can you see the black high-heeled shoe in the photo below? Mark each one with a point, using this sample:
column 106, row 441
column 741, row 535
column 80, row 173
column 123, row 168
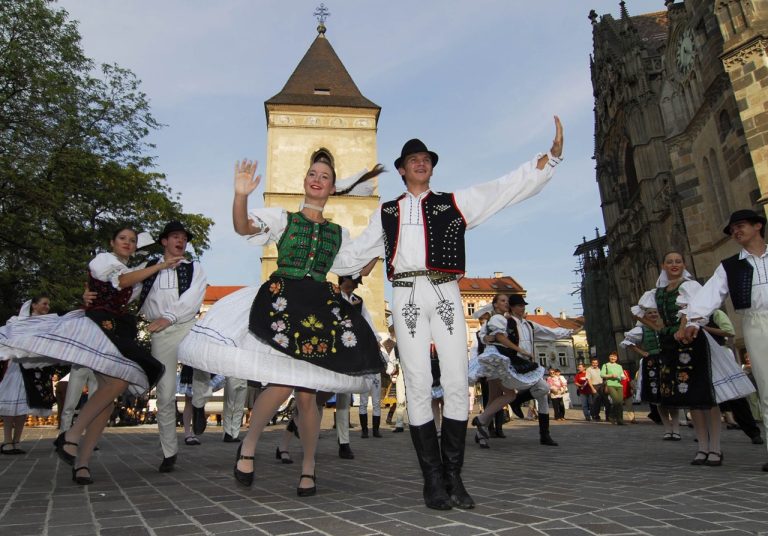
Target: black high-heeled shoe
column 82, row 480
column 481, row 441
column 306, row 492
column 243, row 478
column 65, row 456
column 279, row 455
column 482, row 429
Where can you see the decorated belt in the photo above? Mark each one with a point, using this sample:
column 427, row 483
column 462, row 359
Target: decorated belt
column 435, row 277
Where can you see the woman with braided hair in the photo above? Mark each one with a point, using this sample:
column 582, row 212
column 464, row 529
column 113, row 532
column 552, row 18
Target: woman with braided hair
column 295, row 333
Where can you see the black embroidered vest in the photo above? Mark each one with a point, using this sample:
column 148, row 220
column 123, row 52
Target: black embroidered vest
column 184, row 272
column 444, row 228
column 108, row 298
column 739, row 275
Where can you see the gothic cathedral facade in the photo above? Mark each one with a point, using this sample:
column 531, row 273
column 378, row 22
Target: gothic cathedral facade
column 681, row 136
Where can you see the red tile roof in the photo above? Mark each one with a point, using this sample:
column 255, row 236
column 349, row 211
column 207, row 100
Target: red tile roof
column 490, row 285
column 214, row 293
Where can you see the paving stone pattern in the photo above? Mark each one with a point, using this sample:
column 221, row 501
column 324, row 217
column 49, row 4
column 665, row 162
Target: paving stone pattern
column 602, row 480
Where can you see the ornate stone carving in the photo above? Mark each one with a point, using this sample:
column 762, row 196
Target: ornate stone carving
column 752, row 50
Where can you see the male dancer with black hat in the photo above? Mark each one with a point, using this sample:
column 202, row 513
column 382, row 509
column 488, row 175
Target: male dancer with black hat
column 421, row 234
column 170, row 301
column 745, row 277
column 523, row 333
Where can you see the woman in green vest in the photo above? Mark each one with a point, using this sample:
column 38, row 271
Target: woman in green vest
column 294, row 333
column 644, row 340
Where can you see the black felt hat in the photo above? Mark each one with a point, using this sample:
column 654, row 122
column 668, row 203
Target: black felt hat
column 172, row 227
column 743, row 215
column 412, row 147
column 517, row 299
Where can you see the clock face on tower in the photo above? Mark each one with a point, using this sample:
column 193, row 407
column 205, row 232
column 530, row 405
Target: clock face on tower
column 684, row 52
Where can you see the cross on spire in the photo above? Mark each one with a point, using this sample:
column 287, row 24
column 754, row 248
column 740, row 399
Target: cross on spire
column 321, row 13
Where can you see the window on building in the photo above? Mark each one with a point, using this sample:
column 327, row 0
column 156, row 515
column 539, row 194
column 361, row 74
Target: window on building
column 542, row 359
column 470, row 309
column 562, row 359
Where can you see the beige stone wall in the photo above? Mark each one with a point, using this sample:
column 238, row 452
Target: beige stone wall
column 294, row 134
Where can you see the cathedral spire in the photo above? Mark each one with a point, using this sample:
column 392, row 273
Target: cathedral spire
column 624, row 12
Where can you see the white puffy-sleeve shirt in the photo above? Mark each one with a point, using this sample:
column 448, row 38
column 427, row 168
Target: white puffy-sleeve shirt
column 633, row 337
column 687, row 290
column 476, row 203
column 108, row 268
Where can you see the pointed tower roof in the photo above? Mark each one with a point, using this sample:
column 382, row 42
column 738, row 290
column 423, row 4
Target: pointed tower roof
column 321, row 79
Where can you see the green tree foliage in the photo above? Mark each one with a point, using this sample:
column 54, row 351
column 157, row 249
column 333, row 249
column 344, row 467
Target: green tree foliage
column 74, row 160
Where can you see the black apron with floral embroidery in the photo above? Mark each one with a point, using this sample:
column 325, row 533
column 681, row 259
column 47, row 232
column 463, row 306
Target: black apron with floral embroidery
column 685, row 377
column 310, row 320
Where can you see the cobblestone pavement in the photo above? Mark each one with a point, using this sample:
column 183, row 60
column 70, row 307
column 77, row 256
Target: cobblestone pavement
column 601, row 480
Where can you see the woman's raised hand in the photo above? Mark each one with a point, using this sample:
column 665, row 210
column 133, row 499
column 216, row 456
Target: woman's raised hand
column 246, row 180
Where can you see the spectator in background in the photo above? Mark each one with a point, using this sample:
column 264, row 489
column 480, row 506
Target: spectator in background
column 585, row 390
column 612, row 373
column 599, row 399
column 558, row 386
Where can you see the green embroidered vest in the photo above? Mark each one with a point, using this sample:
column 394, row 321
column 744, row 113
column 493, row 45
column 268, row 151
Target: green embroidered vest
column 307, row 248
column 651, row 341
column 666, row 302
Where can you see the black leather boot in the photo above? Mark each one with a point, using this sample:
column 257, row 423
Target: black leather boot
column 544, row 437
column 452, row 438
column 376, row 423
column 364, row 425
column 427, row 447
column 519, row 400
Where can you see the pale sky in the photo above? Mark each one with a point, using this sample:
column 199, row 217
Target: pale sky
column 477, row 80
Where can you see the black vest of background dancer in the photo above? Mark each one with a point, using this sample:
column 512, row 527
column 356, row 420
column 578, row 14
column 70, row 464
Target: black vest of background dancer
column 520, row 364
column 444, row 228
column 184, row 272
column 739, row 274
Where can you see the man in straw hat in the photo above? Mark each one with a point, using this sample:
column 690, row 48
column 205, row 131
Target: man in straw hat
column 421, row 234
column 744, row 277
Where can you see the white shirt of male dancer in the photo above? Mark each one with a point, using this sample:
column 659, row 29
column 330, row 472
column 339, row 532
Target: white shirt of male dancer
column 171, row 316
column 427, row 312
column 747, row 228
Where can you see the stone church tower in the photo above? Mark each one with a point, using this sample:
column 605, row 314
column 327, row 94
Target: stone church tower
column 320, row 109
column 680, row 132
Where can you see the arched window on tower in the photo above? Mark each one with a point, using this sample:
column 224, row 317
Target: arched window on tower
column 724, row 124
column 630, row 173
column 718, row 188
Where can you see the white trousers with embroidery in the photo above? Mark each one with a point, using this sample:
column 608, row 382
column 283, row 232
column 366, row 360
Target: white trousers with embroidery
column 423, row 314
